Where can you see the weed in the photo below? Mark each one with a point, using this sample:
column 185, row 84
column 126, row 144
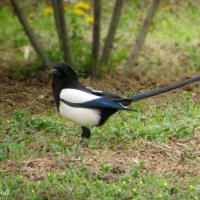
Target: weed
column 78, row 183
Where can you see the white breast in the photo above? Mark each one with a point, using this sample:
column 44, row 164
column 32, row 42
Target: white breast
column 82, row 116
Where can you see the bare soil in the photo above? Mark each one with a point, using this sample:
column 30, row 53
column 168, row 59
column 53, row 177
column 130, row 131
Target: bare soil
column 181, row 157
column 36, row 96
column 174, row 157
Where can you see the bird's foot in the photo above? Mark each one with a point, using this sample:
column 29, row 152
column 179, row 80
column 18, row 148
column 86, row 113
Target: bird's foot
column 81, row 141
column 85, row 134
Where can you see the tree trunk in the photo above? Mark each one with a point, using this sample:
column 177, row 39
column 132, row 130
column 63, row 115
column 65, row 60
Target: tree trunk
column 30, row 33
column 142, row 35
column 61, row 27
column 96, row 37
column 111, row 32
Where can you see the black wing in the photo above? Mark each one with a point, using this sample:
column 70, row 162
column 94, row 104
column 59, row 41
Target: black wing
column 107, row 95
column 114, row 97
column 123, row 100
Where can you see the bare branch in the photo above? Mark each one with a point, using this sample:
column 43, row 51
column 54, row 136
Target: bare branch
column 30, row 33
column 142, row 35
column 111, row 32
column 61, row 27
column 96, row 37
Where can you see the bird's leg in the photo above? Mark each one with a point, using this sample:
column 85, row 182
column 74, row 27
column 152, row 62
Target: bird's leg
column 85, row 133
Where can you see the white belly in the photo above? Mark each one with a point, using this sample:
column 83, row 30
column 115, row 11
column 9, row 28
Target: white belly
column 82, row 116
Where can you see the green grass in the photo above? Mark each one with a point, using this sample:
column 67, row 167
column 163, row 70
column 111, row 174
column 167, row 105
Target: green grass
column 81, row 184
column 171, row 45
column 159, row 123
column 25, row 137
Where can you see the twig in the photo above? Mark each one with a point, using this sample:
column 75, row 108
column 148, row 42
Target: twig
column 166, row 149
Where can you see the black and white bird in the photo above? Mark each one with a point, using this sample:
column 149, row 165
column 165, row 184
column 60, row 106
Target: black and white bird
column 88, row 107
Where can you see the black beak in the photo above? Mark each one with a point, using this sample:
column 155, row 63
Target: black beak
column 54, row 72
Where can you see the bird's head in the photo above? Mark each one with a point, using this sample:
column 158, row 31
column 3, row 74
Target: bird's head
column 63, row 75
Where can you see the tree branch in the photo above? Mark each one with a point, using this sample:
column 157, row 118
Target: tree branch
column 142, row 35
column 61, row 27
column 30, row 33
column 96, row 37
column 111, row 32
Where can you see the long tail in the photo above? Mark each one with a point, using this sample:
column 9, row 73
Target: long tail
column 163, row 90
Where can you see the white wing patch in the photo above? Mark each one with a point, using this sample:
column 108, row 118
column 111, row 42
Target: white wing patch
column 97, row 91
column 77, row 96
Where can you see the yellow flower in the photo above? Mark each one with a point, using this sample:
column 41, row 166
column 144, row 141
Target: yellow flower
column 166, row 8
column 165, row 184
column 134, row 190
column 30, row 20
column 47, row 10
column 140, row 182
column 90, row 19
column 79, row 12
column 66, row 9
column 192, row 187
column 82, row 6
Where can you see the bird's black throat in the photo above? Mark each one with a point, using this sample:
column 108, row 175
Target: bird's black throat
column 57, row 87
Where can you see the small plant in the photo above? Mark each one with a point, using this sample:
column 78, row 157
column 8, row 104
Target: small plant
column 194, row 57
column 105, row 168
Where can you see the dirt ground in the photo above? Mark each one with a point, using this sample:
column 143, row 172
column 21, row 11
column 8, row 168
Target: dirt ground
column 36, row 96
column 160, row 158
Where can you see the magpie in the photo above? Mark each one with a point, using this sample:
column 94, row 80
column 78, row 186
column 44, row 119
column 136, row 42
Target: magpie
column 88, row 107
